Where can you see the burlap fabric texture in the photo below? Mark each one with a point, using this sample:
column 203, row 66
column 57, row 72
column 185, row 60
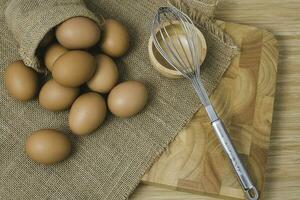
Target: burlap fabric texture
column 109, row 163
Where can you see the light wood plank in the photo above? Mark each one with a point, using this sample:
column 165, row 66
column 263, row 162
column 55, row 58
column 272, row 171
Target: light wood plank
column 279, row 17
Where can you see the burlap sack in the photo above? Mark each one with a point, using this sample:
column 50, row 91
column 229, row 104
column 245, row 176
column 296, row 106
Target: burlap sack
column 196, row 7
column 30, row 20
column 109, row 163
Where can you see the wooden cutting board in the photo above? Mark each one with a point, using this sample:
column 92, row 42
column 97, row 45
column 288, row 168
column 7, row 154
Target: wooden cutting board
column 244, row 99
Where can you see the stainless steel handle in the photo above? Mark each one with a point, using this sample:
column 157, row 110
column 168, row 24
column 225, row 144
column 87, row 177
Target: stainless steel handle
column 220, row 130
column 244, row 179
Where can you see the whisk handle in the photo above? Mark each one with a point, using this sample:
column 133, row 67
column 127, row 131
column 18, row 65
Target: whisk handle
column 245, row 181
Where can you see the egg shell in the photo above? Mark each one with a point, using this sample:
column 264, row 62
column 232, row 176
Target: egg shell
column 78, row 33
column 53, row 52
column 74, row 68
column 21, row 81
column 106, row 75
column 48, row 146
column 55, row 97
column 127, row 98
column 115, row 38
column 87, row 113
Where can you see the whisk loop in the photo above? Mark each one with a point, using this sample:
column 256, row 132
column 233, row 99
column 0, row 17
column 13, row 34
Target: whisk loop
column 175, row 37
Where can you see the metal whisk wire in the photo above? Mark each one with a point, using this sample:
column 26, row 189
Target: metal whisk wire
column 188, row 62
column 186, row 59
column 168, row 16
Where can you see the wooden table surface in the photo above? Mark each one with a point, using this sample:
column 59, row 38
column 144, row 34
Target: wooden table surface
column 282, row 17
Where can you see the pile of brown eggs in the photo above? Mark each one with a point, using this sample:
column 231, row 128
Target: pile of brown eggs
column 67, row 56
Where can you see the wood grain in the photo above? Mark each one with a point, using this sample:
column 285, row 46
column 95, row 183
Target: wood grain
column 244, row 99
column 283, row 168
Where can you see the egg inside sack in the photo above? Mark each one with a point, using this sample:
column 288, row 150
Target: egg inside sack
column 47, row 146
column 53, row 52
column 74, row 68
column 87, row 113
column 21, row 81
column 78, row 33
column 127, row 98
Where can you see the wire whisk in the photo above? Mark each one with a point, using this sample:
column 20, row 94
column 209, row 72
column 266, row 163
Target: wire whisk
column 175, row 37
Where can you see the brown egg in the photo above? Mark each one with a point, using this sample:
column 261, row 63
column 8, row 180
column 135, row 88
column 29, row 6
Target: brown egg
column 106, row 75
column 127, row 98
column 87, row 113
column 115, row 38
column 21, row 81
column 47, row 146
column 78, row 33
column 55, row 97
column 53, row 52
column 74, row 68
